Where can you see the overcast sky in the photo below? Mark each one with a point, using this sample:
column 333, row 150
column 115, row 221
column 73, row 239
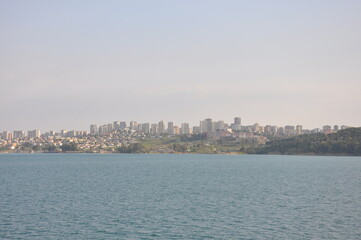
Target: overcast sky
column 68, row 64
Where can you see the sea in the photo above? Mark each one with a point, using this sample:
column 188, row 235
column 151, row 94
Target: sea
column 179, row 196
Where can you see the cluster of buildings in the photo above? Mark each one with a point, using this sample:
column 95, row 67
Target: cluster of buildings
column 121, row 133
column 211, row 129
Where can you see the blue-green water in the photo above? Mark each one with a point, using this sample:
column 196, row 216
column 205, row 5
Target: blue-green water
column 179, row 197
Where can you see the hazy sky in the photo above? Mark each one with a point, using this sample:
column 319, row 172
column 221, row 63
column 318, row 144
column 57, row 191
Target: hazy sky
column 68, row 64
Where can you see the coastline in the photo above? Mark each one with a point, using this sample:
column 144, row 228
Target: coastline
column 180, row 153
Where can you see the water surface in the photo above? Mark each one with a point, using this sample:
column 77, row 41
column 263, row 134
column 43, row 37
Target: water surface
column 91, row 196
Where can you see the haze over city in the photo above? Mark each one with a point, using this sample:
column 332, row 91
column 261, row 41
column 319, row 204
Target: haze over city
column 69, row 64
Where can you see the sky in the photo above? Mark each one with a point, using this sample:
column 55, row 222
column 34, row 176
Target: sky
column 68, row 64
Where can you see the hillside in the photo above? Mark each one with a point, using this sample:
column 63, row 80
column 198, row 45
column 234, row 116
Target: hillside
column 344, row 142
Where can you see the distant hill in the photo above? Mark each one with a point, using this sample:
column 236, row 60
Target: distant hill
column 344, row 142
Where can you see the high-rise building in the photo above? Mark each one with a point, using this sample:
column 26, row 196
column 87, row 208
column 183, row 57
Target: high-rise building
column 209, row 125
column 170, row 129
column 255, row 127
column 19, row 134
column 161, row 127
column 133, row 126
column 274, row 129
column 202, row 127
column 219, row 126
column 116, row 125
column 185, row 128
column 299, row 129
column 34, row 134
column 110, row 127
column 71, row 133
column 93, row 129
column 103, row 129
column 196, row 130
column 62, row 133
column 236, row 126
column 237, row 121
column 140, row 128
column 145, row 128
column 9, row 136
column 267, row 129
column 122, row 125
column 5, row 135
column 154, row 129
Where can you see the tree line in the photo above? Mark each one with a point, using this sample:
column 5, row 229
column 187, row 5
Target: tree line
column 346, row 142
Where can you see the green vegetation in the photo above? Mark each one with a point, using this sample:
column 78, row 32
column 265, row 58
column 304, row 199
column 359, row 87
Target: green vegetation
column 132, row 148
column 197, row 144
column 69, row 147
column 344, row 142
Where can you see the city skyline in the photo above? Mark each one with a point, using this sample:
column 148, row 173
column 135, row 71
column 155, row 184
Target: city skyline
column 167, row 125
column 68, row 64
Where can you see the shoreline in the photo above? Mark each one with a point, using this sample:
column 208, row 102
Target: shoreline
column 154, row 153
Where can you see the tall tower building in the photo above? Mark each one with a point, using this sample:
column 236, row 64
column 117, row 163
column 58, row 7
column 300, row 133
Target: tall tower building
column 209, row 125
column 219, row 126
column 170, row 129
column 122, row 125
column 185, row 128
column 19, row 134
column 93, row 129
column 145, row 128
column 154, row 129
column 116, row 125
column 133, row 125
column 161, row 127
column 236, row 126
